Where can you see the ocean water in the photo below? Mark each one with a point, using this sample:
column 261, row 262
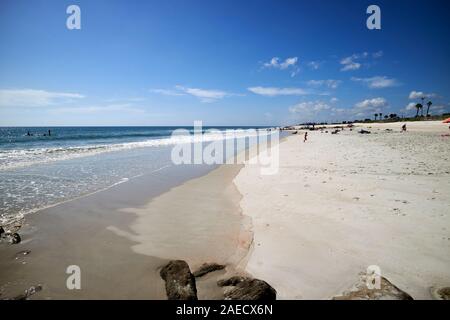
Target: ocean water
column 38, row 170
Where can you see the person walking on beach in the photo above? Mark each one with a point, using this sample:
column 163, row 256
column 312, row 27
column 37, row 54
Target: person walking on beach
column 306, row 136
column 404, row 128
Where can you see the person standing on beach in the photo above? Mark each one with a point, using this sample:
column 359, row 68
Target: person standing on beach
column 306, row 136
column 404, row 128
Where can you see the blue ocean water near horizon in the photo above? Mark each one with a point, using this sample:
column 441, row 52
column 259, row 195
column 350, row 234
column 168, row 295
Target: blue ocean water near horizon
column 39, row 168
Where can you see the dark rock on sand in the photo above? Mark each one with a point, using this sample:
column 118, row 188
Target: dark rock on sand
column 180, row 282
column 243, row 288
column 440, row 293
column 12, row 238
column 233, row 281
column 387, row 291
column 28, row 293
column 207, row 268
column 15, row 238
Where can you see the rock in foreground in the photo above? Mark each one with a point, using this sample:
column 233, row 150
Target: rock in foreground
column 440, row 293
column 180, row 282
column 387, row 291
column 207, row 268
column 242, row 288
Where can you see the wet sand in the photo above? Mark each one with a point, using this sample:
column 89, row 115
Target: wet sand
column 198, row 222
column 83, row 232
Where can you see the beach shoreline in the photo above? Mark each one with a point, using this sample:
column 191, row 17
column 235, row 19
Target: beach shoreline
column 343, row 204
column 89, row 232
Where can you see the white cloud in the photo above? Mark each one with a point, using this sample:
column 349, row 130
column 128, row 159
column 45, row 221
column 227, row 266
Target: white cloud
column 349, row 63
column 35, row 98
column 289, row 63
column 410, row 106
column 378, row 54
column 205, row 95
column 272, row 91
column 125, row 107
column 275, row 63
column 439, row 109
column 334, row 100
column 351, row 66
column 419, row 94
column 378, row 82
column 167, row 92
column 309, row 107
column 369, row 106
column 330, row 83
column 434, row 109
column 314, row 65
column 353, row 62
column 312, row 111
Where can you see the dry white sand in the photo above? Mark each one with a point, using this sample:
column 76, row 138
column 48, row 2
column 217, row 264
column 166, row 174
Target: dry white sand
column 340, row 203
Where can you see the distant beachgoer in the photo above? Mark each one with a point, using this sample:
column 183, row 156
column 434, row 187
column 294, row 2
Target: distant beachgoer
column 306, row 137
column 49, row 133
column 404, row 127
column 28, row 133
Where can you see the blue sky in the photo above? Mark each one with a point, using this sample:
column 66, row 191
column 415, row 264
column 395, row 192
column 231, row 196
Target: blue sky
column 224, row 62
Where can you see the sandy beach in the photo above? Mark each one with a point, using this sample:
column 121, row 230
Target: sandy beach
column 343, row 202
column 338, row 204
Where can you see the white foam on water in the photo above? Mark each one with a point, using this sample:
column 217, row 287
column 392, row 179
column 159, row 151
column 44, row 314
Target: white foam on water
column 11, row 159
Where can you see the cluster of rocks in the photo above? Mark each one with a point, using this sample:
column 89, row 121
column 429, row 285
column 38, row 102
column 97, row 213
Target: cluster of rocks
column 180, row 283
column 11, row 237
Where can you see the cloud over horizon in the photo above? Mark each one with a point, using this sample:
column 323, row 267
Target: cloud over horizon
column 330, row 83
column 273, row 91
column 368, row 106
column 378, row 82
column 35, row 98
column 419, row 95
column 205, row 95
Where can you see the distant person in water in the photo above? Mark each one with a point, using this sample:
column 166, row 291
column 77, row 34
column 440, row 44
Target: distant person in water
column 28, row 133
column 404, row 128
column 306, row 137
column 49, row 133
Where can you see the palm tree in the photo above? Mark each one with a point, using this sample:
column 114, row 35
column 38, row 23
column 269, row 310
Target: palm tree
column 376, row 115
column 421, row 108
column 381, row 116
column 418, row 107
column 429, row 103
